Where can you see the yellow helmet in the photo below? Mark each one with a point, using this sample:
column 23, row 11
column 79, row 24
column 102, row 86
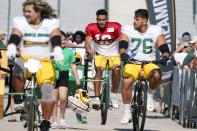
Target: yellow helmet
column 78, row 58
column 80, row 102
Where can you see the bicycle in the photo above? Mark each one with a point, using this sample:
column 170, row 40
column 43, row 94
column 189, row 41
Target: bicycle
column 31, row 102
column 139, row 101
column 104, row 93
column 31, row 114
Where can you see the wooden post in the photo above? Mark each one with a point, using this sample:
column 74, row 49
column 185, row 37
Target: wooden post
column 1, row 107
column 2, row 87
column 4, row 64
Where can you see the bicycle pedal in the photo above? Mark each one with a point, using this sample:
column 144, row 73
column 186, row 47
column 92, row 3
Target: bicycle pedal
column 20, row 110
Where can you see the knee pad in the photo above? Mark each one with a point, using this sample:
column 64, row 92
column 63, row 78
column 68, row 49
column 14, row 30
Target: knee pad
column 155, row 71
column 47, row 93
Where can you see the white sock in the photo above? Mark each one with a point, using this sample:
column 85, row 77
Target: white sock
column 113, row 95
column 126, row 107
column 97, row 98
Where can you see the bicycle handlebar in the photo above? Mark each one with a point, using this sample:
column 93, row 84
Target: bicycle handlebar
column 138, row 62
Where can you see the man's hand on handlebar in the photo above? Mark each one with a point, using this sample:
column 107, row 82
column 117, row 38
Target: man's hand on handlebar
column 11, row 51
column 124, row 57
column 90, row 53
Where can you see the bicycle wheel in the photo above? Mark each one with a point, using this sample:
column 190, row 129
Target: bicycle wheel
column 31, row 114
column 104, row 103
column 139, row 106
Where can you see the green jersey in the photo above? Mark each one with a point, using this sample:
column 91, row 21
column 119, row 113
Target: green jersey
column 69, row 58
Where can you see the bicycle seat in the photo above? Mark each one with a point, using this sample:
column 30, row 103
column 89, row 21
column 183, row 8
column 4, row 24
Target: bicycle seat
column 33, row 65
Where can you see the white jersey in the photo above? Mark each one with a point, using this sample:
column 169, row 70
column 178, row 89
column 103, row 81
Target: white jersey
column 35, row 41
column 142, row 46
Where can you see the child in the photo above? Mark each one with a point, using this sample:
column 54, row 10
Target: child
column 61, row 87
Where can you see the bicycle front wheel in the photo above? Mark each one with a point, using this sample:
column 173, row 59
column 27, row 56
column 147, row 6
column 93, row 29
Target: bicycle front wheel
column 104, row 103
column 139, row 106
column 31, row 114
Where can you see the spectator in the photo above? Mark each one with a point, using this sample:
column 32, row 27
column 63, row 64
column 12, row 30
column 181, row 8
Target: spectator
column 79, row 38
column 67, row 37
column 61, row 87
column 190, row 59
column 185, row 37
column 182, row 49
column 180, row 53
column 2, row 37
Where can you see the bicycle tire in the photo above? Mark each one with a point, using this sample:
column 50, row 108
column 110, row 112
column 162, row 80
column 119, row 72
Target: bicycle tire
column 104, row 103
column 139, row 106
column 31, row 114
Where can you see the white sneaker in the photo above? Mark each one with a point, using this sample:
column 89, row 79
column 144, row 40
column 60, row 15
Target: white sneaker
column 40, row 109
column 62, row 124
column 96, row 103
column 19, row 107
column 150, row 103
column 114, row 101
column 54, row 125
column 126, row 117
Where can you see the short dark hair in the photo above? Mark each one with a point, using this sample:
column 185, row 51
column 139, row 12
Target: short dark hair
column 81, row 33
column 101, row 12
column 143, row 13
column 186, row 33
column 63, row 33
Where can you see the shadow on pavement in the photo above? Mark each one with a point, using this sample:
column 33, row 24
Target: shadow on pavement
column 73, row 128
column 157, row 117
column 121, row 129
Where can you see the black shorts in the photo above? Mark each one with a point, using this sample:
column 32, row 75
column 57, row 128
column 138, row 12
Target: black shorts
column 63, row 79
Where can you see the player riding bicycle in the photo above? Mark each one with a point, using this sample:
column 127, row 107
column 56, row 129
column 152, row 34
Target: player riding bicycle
column 104, row 36
column 140, row 41
column 36, row 31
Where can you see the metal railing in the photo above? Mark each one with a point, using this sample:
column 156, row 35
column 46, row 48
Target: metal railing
column 184, row 96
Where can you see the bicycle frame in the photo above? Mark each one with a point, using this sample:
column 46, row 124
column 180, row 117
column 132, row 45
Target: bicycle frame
column 10, row 90
column 139, row 102
column 105, row 95
column 31, row 102
column 106, row 80
column 32, row 112
column 105, row 90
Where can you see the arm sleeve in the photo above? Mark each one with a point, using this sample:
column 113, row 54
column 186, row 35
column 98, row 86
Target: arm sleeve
column 88, row 31
column 159, row 31
column 72, row 57
column 54, row 24
column 188, row 58
column 18, row 23
column 118, row 29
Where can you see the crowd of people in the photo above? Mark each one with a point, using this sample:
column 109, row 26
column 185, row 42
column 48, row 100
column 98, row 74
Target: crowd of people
column 186, row 52
column 38, row 31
